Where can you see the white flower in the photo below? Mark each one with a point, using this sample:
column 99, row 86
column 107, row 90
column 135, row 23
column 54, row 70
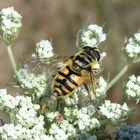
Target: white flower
column 10, row 22
column 31, row 81
column 72, row 101
column 27, row 114
column 85, row 120
column 17, row 132
column 113, row 111
column 51, row 115
column 26, row 123
column 132, row 48
column 6, row 101
column 59, row 128
column 133, row 88
column 11, row 131
column 68, row 128
column 101, row 89
column 44, row 137
column 57, row 133
column 44, row 49
column 21, row 110
column 102, row 55
column 91, row 36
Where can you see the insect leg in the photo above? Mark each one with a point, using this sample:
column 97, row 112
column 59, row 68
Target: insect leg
column 48, row 103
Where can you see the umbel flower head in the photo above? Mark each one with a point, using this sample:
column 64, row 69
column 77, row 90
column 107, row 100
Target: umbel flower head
column 43, row 49
column 132, row 47
column 133, row 88
column 101, row 90
column 25, row 121
column 10, row 22
column 91, row 35
column 18, row 132
column 30, row 81
column 114, row 112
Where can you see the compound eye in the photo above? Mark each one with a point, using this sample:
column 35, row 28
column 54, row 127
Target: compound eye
column 96, row 54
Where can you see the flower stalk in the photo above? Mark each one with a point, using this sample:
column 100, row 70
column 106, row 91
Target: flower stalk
column 118, row 76
column 11, row 57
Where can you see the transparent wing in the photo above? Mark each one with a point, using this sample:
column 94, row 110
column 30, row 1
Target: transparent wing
column 86, row 91
column 49, row 66
column 90, row 83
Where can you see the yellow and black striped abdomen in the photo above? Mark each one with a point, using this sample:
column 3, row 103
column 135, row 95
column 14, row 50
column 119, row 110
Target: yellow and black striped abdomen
column 70, row 76
column 66, row 80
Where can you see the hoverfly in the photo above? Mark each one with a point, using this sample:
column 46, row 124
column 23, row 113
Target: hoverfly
column 76, row 70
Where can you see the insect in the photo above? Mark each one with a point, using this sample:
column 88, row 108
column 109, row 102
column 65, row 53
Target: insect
column 77, row 70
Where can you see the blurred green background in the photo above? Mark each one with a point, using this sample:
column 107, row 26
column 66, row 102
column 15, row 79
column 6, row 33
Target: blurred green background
column 60, row 20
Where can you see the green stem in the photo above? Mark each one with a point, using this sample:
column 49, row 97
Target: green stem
column 118, row 76
column 12, row 59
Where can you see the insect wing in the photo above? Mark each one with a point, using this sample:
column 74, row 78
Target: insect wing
column 49, row 66
column 90, row 83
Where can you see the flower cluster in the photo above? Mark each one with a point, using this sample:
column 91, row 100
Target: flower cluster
column 83, row 117
column 30, row 81
column 114, row 112
column 74, row 119
column 21, row 107
column 62, row 130
column 43, row 49
column 91, row 35
column 11, row 131
column 127, row 132
column 132, row 48
column 7, row 102
column 18, row 132
column 24, row 117
column 133, row 88
column 101, row 90
column 27, row 113
column 10, row 22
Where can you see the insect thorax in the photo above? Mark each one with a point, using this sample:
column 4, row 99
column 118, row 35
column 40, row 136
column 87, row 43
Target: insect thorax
column 85, row 57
